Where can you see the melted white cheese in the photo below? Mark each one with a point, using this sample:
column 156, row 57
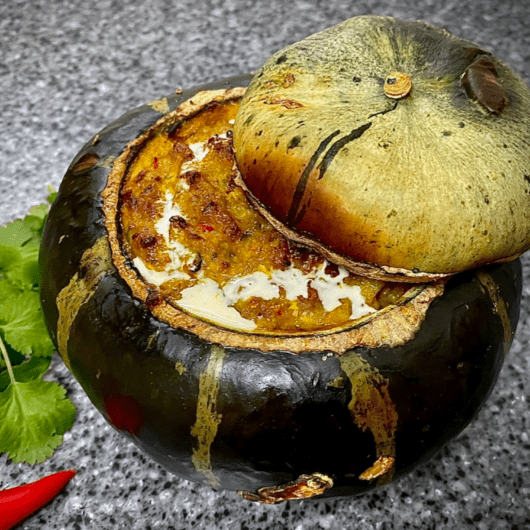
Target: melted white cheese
column 156, row 277
column 293, row 281
column 332, row 290
column 178, row 253
column 199, row 150
column 244, row 287
column 183, row 183
column 163, row 225
column 208, row 301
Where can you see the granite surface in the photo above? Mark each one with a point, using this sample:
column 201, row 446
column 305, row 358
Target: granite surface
column 67, row 69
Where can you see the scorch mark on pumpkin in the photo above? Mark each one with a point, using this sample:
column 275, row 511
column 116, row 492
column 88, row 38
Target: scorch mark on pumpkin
column 372, row 408
column 96, row 261
column 286, row 103
column 295, row 214
column 338, row 145
column 289, row 80
column 302, row 182
column 90, row 160
column 208, row 419
column 305, row 487
column 499, row 305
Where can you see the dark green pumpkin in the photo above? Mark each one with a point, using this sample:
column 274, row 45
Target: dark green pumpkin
column 244, row 419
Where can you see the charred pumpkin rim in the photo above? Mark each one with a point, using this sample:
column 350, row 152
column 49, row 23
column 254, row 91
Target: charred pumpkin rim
column 391, row 326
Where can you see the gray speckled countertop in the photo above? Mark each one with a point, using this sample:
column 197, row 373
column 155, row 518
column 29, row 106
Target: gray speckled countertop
column 67, row 69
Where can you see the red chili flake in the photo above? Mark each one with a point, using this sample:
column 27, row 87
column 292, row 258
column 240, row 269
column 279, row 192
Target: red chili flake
column 279, row 311
column 206, row 227
column 155, row 163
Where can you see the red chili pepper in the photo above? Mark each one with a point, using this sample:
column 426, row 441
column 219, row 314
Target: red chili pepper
column 155, row 163
column 22, row 501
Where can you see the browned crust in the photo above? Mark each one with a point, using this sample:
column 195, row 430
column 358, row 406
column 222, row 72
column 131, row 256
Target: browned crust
column 96, row 260
column 394, row 325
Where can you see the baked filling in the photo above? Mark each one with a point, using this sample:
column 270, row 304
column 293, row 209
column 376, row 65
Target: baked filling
column 194, row 238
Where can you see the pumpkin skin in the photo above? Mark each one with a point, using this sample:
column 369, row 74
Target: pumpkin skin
column 273, row 425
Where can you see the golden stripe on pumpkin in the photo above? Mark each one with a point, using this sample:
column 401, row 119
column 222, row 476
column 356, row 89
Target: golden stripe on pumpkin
column 160, row 105
column 97, row 262
column 208, row 419
column 372, row 408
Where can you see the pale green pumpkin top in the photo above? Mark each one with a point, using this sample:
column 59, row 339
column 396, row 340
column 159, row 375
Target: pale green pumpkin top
column 435, row 180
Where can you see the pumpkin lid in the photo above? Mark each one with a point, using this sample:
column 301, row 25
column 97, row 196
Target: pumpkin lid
column 393, row 147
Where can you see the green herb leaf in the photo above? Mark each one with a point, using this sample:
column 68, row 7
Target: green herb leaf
column 20, row 265
column 7, row 289
column 15, row 358
column 22, row 324
column 26, row 371
column 35, row 415
column 37, row 216
column 15, row 234
column 52, row 194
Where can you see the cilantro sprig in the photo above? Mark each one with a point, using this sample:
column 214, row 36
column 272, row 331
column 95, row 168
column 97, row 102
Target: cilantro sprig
column 34, row 413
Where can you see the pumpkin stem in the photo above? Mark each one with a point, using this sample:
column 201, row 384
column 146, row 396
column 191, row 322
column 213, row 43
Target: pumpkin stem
column 397, row 85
